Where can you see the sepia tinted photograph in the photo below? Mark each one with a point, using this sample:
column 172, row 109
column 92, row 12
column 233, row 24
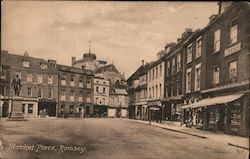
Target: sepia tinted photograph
column 124, row 80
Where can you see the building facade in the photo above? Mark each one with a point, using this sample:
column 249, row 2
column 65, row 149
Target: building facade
column 155, row 87
column 223, row 100
column 101, row 97
column 75, row 92
column 39, row 85
column 137, row 92
column 118, row 97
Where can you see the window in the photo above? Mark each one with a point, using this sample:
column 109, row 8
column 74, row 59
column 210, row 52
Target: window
column 40, row 78
column 153, row 92
column 3, row 73
column 88, row 84
column 198, row 48
column 29, row 91
column 39, row 93
column 50, row 93
column 23, row 108
column 168, row 68
column 62, row 109
column 178, row 88
column 173, row 65
column 156, row 72
column 50, row 79
column 160, row 90
column 156, row 92
column 29, row 77
column 233, row 31
column 172, row 90
column 216, row 75
column 189, row 53
column 160, row 70
column 43, row 66
column 153, row 74
column 217, row 40
column 178, row 62
column 72, row 82
column 97, row 89
column 63, row 95
column 26, row 64
column 197, row 77
column 71, row 109
column 72, row 94
column 30, row 108
column 233, row 71
column 63, row 80
column 149, row 92
column 188, row 80
column 19, row 74
column 103, row 90
column 80, row 83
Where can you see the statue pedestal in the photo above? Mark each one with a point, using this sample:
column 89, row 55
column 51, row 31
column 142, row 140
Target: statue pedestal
column 16, row 109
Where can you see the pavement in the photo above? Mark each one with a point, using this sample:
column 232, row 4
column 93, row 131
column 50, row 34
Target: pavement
column 236, row 141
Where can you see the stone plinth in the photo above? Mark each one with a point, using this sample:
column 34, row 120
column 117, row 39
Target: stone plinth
column 16, row 109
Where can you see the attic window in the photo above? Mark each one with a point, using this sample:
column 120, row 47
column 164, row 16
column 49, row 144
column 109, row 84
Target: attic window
column 26, row 63
column 43, row 66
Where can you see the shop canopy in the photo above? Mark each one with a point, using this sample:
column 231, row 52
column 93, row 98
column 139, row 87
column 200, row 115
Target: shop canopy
column 213, row 101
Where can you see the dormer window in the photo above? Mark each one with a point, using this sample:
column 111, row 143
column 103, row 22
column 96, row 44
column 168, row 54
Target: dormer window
column 43, row 66
column 26, row 64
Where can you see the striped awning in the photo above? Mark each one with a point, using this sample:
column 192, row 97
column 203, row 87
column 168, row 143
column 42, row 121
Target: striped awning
column 213, row 101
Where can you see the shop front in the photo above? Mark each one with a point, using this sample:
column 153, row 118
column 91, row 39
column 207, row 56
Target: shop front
column 228, row 114
column 47, row 108
column 155, row 111
column 100, row 110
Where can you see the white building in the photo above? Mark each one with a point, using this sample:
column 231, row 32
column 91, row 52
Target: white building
column 101, row 97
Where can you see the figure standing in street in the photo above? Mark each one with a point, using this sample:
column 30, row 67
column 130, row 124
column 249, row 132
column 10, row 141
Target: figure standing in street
column 17, row 85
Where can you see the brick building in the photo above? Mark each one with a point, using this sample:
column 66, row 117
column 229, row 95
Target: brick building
column 75, row 92
column 39, row 84
column 223, row 99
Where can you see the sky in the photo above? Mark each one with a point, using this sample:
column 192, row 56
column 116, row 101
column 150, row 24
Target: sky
column 123, row 33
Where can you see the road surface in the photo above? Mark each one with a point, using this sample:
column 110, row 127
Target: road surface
column 104, row 138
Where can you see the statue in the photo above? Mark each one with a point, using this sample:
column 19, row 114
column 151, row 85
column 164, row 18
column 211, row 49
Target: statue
column 17, row 85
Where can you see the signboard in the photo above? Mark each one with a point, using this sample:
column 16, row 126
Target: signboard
column 233, row 49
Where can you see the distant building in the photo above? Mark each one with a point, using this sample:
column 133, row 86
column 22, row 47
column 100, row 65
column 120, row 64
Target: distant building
column 101, row 97
column 39, row 84
column 155, row 87
column 75, row 92
column 88, row 61
column 118, row 100
column 137, row 93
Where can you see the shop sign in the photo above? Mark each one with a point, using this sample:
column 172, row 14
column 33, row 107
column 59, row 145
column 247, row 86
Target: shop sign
column 233, row 49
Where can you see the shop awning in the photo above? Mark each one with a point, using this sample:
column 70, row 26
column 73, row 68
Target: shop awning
column 213, row 101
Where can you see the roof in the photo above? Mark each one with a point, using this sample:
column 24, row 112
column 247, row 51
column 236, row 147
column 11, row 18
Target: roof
column 213, row 101
column 74, row 69
column 107, row 68
column 14, row 60
column 140, row 71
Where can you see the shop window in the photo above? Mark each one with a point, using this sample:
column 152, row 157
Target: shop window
column 30, row 108
column 62, row 109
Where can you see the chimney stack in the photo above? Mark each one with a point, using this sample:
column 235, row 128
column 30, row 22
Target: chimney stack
column 142, row 62
column 73, row 59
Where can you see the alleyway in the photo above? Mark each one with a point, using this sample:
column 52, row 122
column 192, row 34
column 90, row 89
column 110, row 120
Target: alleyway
column 105, row 138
